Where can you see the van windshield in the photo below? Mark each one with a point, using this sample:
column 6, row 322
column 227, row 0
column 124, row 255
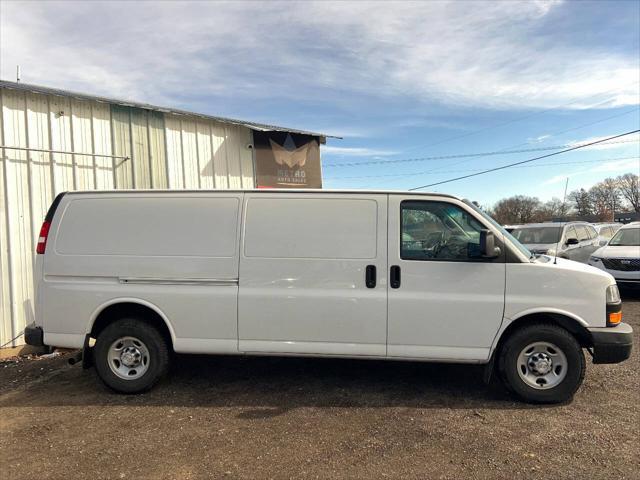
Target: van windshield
column 626, row 237
column 524, row 250
column 532, row 235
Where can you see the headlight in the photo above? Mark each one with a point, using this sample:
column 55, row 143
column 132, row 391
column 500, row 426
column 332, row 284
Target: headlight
column 613, row 295
column 551, row 251
column 614, row 306
column 595, row 259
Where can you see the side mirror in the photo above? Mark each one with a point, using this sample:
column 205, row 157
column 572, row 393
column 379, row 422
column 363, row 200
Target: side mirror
column 603, row 243
column 572, row 241
column 488, row 248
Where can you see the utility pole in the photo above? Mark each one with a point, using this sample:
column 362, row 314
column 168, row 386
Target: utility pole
column 564, row 198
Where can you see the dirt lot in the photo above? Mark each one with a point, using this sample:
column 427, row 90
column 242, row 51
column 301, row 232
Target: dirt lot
column 291, row 418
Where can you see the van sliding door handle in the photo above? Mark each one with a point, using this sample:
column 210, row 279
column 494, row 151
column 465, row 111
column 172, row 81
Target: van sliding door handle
column 394, row 280
column 370, row 276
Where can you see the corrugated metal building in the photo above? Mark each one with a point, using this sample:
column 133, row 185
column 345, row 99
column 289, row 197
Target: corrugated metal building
column 54, row 141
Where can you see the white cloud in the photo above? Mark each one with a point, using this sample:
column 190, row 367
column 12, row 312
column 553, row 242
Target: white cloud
column 466, row 53
column 618, row 166
column 611, row 167
column 559, row 178
column 622, row 142
column 355, row 151
column 538, row 139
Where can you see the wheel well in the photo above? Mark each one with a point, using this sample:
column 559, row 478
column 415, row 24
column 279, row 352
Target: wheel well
column 581, row 334
column 130, row 310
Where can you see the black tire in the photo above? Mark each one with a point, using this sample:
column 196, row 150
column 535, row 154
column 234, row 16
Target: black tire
column 525, row 336
column 158, row 355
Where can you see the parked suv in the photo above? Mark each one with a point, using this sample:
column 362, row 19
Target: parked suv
column 571, row 240
column 606, row 231
column 621, row 256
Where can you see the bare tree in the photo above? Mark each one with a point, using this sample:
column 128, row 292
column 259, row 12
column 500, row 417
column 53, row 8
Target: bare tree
column 517, row 209
column 605, row 198
column 601, row 200
column 613, row 189
column 551, row 209
column 629, row 186
column 581, row 200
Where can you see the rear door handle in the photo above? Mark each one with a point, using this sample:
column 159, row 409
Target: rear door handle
column 370, row 276
column 394, row 280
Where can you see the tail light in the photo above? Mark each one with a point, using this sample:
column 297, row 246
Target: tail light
column 42, row 238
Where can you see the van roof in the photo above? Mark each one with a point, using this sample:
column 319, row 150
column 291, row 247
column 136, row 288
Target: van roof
column 267, row 191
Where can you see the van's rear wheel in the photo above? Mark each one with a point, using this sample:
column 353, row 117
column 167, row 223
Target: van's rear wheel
column 542, row 363
column 130, row 356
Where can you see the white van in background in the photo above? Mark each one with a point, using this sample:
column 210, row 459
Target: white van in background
column 383, row 275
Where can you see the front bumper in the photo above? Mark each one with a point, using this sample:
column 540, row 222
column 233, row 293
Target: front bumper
column 33, row 335
column 612, row 344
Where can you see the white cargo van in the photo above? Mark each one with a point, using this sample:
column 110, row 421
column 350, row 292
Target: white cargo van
column 131, row 276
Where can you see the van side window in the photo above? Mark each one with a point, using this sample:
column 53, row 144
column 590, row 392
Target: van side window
column 438, row 231
column 570, row 232
column 592, row 232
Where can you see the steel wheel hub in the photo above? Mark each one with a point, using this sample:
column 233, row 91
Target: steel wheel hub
column 542, row 365
column 128, row 358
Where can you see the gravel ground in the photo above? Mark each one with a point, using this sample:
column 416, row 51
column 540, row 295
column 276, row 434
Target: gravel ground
column 234, row 417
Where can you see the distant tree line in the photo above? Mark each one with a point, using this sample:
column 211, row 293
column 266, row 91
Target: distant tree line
column 600, row 201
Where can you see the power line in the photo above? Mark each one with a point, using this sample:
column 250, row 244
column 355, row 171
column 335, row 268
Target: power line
column 524, row 161
column 460, row 155
column 576, row 162
column 604, row 119
column 437, row 170
column 503, row 151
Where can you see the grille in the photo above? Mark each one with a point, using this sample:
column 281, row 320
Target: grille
column 622, row 264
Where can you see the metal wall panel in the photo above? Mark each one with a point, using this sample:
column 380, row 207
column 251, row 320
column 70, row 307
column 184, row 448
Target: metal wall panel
column 121, row 137
column 173, row 133
column 190, row 154
column 17, row 198
column 6, row 309
column 220, row 167
column 80, row 138
column 104, row 171
column 140, row 148
column 233, row 157
column 205, row 155
column 41, row 166
column 60, row 134
column 82, row 142
column 157, row 150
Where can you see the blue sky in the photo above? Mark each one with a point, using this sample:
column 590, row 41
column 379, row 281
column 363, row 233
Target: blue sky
column 398, row 81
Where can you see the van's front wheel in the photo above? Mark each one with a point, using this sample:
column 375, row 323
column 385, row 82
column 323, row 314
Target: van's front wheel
column 130, row 356
column 542, row 363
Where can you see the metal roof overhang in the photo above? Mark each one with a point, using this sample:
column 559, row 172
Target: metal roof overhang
column 147, row 106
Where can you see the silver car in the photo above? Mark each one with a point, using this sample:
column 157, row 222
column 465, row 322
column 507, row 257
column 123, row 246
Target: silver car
column 572, row 240
column 606, row 231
